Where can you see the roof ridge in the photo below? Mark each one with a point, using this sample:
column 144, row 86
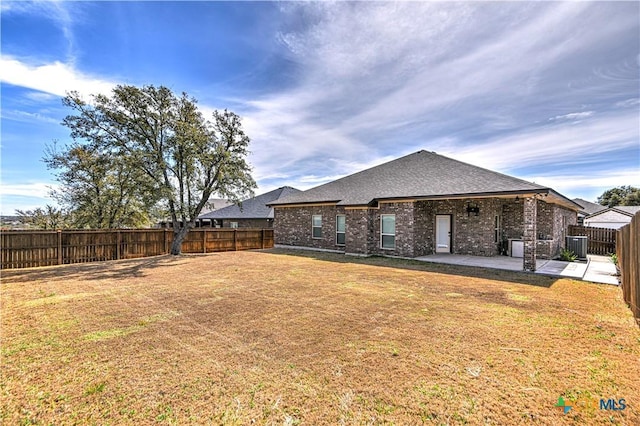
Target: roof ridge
column 489, row 170
column 419, row 174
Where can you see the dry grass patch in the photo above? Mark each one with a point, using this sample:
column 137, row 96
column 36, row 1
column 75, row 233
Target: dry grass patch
column 278, row 337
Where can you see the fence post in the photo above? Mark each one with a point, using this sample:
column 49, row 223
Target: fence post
column 166, row 241
column 262, row 238
column 59, row 247
column 235, row 239
column 204, row 240
column 118, row 243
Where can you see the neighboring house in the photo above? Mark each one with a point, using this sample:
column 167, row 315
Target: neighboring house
column 587, row 208
column 613, row 217
column 425, row 203
column 212, row 205
column 216, row 204
column 250, row 213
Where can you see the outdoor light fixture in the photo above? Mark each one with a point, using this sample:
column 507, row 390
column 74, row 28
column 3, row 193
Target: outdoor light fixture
column 472, row 209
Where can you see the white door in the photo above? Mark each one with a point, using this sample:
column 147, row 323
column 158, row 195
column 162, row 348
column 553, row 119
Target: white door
column 443, row 233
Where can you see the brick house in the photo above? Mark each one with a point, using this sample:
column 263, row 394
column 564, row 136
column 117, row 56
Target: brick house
column 425, row 203
column 251, row 213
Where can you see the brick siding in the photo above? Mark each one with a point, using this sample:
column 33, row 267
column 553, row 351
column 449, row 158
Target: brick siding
column 415, row 226
column 292, row 226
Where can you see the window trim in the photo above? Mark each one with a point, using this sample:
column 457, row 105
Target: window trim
column 313, row 227
column 343, row 232
column 386, row 234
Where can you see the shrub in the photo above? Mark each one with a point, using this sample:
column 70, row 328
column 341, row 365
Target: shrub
column 568, row 255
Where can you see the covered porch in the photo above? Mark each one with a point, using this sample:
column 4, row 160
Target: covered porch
column 486, row 226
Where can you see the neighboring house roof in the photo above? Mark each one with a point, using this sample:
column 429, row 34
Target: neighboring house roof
column 629, row 211
column 632, row 210
column 217, row 204
column 422, row 174
column 213, row 204
column 588, row 207
column 251, row 208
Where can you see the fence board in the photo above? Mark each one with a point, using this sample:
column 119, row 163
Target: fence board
column 600, row 241
column 628, row 253
column 26, row 249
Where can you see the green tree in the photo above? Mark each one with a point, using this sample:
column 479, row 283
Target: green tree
column 101, row 190
column 166, row 138
column 48, row 218
column 620, row 196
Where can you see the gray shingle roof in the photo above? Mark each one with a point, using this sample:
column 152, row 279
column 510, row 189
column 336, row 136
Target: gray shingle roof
column 588, row 207
column 628, row 209
column 421, row 174
column 252, row 208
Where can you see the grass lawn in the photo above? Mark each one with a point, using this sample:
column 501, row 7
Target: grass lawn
column 280, row 337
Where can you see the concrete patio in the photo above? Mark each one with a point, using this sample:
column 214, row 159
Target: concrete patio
column 597, row 269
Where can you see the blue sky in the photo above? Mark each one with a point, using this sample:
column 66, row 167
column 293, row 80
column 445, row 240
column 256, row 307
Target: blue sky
column 548, row 92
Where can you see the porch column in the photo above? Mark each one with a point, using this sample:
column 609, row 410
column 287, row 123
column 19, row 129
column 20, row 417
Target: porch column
column 530, row 234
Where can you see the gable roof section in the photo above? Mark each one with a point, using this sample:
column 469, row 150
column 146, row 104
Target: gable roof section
column 632, row 210
column 251, row 208
column 588, row 207
column 216, row 204
column 422, row 174
column 623, row 210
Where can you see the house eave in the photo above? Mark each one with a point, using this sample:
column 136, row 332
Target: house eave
column 546, row 194
column 306, row 204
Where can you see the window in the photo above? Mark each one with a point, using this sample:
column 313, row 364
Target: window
column 340, row 229
column 497, row 233
column 388, row 231
column 233, row 224
column 316, row 226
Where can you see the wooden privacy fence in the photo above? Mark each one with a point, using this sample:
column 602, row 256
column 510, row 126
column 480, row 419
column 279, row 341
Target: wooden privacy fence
column 599, row 240
column 628, row 252
column 25, row 249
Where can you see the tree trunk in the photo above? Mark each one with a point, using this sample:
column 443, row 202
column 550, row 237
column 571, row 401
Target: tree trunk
column 178, row 236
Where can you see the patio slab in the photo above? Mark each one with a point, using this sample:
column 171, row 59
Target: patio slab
column 598, row 269
column 558, row 268
column 495, row 262
column 601, row 270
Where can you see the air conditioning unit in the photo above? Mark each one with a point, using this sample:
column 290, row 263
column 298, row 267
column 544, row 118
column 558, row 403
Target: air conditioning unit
column 578, row 245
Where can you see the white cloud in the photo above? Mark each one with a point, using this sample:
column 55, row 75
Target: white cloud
column 56, row 78
column 572, row 116
column 54, row 10
column 377, row 81
column 33, row 189
column 565, row 143
column 25, row 196
column 577, row 181
column 587, row 185
column 27, row 116
column 474, row 81
column 628, row 103
column 41, row 96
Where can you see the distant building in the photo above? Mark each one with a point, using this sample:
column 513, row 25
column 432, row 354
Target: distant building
column 613, row 217
column 250, row 213
column 587, row 208
column 214, row 203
